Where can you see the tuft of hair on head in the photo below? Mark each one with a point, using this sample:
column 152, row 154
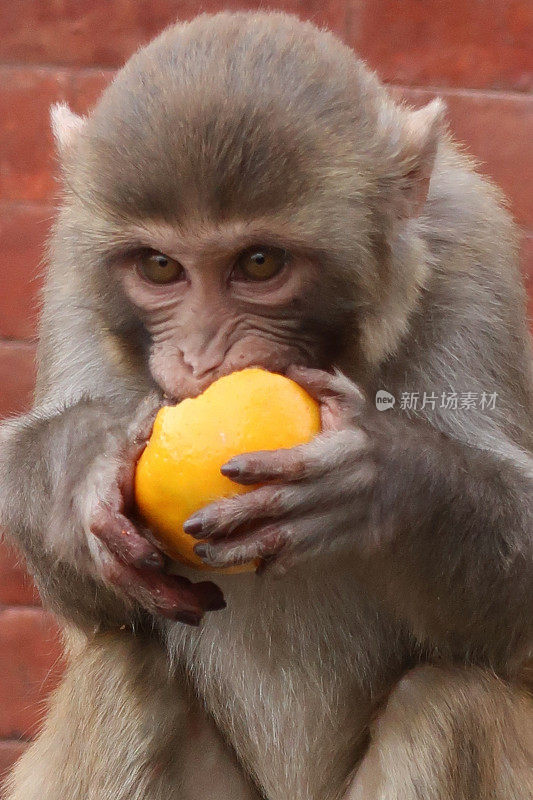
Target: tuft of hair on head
column 66, row 126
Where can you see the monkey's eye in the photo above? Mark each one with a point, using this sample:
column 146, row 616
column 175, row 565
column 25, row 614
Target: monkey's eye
column 260, row 263
column 158, row 268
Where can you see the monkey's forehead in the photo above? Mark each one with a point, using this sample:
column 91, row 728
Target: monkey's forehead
column 230, row 111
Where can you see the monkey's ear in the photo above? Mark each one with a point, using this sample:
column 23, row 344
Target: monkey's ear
column 415, row 152
column 66, row 126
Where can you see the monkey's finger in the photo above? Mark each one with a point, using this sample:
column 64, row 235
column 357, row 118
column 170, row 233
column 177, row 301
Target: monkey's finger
column 341, row 400
column 139, row 432
column 287, row 541
column 175, row 593
column 264, row 543
column 324, row 453
column 171, row 596
column 179, row 598
column 140, row 428
column 224, row 518
column 126, row 486
column 321, row 385
column 122, row 538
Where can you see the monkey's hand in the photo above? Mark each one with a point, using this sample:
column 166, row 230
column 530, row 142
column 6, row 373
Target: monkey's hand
column 316, row 497
column 85, row 518
column 125, row 552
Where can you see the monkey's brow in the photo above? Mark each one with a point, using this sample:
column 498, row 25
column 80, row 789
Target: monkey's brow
column 231, row 238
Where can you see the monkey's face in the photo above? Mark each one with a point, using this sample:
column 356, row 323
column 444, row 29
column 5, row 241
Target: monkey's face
column 219, row 300
column 249, row 189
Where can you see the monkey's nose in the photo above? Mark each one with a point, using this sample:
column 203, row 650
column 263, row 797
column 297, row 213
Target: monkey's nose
column 203, row 361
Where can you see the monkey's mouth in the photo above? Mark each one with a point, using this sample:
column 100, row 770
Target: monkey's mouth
column 200, row 385
column 177, row 382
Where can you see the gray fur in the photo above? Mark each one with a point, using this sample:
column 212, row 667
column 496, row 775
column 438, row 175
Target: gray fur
column 242, row 122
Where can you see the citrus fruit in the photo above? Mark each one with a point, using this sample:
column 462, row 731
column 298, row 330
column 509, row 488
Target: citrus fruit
column 179, row 471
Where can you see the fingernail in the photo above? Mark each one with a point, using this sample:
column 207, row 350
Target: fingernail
column 200, row 550
column 187, row 617
column 212, row 596
column 152, row 561
column 194, row 524
column 230, row 470
column 216, row 604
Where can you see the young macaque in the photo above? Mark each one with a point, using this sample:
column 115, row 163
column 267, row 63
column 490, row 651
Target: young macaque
column 247, row 193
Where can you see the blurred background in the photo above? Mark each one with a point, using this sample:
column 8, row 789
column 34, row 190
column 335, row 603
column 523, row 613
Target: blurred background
column 475, row 54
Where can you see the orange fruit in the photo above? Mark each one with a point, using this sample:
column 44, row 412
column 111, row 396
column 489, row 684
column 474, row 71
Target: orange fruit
column 179, row 471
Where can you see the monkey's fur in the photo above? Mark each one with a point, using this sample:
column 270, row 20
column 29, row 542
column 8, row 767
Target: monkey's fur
column 379, row 654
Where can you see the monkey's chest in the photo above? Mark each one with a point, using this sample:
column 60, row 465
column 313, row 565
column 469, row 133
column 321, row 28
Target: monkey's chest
column 287, row 671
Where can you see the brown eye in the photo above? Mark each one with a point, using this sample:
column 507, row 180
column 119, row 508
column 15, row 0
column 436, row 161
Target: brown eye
column 158, row 268
column 261, row 263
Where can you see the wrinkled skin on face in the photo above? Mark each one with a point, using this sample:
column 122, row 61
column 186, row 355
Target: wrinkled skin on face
column 213, row 318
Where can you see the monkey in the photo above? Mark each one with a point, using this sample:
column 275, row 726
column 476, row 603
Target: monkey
column 247, row 193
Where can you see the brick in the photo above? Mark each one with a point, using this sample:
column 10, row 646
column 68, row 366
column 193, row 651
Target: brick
column 331, row 14
column 86, row 88
column 17, row 377
column 26, row 147
column 460, row 43
column 30, row 667
column 87, row 85
column 16, row 586
column 10, row 752
column 75, row 32
column 23, row 231
column 527, row 267
column 498, row 130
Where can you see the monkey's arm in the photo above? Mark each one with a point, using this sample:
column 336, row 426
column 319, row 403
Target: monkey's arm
column 457, row 559
column 439, row 529
column 65, row 491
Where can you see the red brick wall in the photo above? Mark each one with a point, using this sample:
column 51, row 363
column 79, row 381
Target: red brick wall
column 474, row 54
